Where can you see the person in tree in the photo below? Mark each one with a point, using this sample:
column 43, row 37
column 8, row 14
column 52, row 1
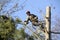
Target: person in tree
column 32, row 18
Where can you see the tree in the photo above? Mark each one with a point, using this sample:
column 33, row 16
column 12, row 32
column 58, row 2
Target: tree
column 13, row 9
column 7, row 27
column 9, row 12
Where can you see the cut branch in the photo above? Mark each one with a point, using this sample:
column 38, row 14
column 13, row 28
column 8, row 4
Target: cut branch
column 55, row 32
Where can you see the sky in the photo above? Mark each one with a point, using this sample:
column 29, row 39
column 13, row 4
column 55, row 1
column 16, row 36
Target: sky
column 34, row 6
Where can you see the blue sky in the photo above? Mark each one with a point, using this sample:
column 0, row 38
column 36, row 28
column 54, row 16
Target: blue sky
column 34, row 6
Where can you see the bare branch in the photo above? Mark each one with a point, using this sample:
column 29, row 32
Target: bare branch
column 55, row 32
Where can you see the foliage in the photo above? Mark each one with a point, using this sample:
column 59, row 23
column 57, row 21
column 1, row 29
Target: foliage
column 8, row 30
column 7, row 27
column 18, row 20
column 31, row 38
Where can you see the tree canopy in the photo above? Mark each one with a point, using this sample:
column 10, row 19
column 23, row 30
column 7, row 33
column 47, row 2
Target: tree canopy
column 7, row 27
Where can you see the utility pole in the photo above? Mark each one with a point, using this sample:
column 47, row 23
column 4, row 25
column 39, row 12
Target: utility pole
column 48, row 23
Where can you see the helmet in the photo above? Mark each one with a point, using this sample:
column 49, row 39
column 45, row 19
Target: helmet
column 28, row 12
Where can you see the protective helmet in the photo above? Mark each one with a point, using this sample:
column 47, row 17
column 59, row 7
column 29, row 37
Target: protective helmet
column 28, row 12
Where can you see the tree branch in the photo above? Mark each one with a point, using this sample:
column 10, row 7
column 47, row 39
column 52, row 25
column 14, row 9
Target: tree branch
column 55, row 32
